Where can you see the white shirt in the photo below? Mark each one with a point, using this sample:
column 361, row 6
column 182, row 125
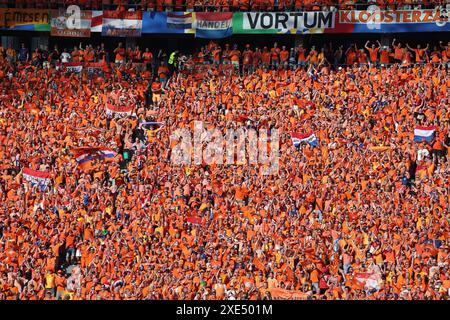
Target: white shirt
column 65, row 57
column 422, row 153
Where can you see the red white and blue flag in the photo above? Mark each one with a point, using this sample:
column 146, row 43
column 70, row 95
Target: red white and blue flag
column 73, row 67
column 86, row 154
column 298, row 138
column 213, row 25
column 150, row 125
column 119, row 111
column 36, row 178
column 179, row 20
column 424, row 133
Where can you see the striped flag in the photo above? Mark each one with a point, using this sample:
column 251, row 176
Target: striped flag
column 73, row 67
column 298, row 138
column 39, row 178
column 151, row 125
column 424, row 133
column 84, row 155
column 119, row 111
column 213, row 25
column 179, row 20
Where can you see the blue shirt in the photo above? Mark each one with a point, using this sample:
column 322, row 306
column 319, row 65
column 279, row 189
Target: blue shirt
column 23, row 53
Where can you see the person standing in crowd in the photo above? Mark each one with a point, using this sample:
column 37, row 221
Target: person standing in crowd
column 137, row 55
column 65, row 56
column 11, row 55
column 173, row 62
column 420, row 53
column 399, row 52
column 147, row 57
column 102, row 54
column 373, row 53
column 23, row 54
column 301, row 56
column 216, row 54
column 119, row 54
column 247, row 60
column 338, row 54
column 275, row 56
column 235, row 56
column 284, row 57
column 54, row 55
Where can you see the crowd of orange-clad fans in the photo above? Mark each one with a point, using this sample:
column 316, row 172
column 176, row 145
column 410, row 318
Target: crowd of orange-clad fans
column 361, row 215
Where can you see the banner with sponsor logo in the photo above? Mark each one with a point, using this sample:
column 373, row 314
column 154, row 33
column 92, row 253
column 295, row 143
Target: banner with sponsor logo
column 168, row 22
column 282, row 22
column 213, row 25
column 122, row 23
column 64, row 25
column 25, row 19
column 378, row 21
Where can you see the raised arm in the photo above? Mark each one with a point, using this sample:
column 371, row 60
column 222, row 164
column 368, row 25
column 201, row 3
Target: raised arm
column 366, row 45
column 348, row 49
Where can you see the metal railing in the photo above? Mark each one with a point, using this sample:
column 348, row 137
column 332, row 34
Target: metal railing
column 212, row 6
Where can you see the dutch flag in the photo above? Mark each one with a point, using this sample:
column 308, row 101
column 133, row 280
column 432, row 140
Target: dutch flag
column 39, row 178
column 73, row 67
column 424, row 133
column 179, row 20
column 213, row 25
column 84, row 155
column 106, row 153
column 298, row 138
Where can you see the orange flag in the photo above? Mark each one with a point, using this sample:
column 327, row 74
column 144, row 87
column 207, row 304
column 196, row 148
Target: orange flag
column 258, row 264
